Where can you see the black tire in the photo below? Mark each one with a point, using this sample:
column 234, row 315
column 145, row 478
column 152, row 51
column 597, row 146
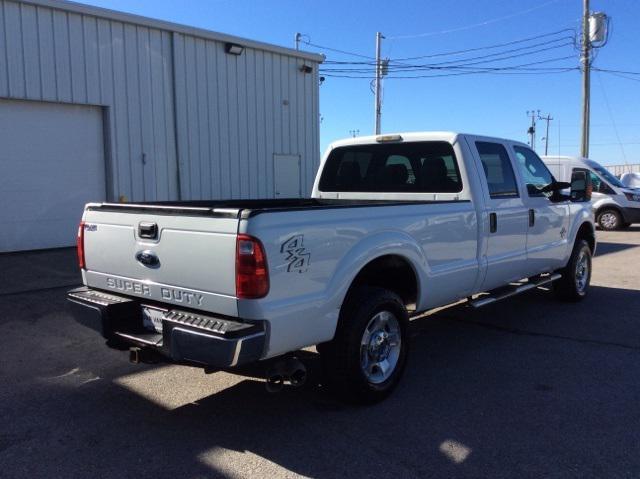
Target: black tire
column 342, row 358
column 568, row 288
column 609, row 219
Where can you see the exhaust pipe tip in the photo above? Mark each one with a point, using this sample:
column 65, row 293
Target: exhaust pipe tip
column 134, row 355
column 275, row 383
column 287, row 371
column 298, row 377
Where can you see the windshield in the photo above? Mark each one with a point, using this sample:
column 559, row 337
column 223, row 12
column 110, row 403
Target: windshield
column 602, row 171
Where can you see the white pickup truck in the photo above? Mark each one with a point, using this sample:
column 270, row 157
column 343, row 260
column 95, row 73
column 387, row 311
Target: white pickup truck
column 397, row 225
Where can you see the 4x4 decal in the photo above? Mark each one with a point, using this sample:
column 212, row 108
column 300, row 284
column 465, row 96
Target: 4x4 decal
column 297, row 256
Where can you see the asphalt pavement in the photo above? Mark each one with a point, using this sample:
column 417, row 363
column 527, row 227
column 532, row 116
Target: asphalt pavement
column 529, row 387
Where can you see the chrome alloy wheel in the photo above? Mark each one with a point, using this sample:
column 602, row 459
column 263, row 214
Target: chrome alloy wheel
column 582, row 271
column 608, row 220
column 380, row 347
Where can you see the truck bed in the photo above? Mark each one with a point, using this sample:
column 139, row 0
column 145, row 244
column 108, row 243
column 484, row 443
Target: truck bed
column 242, row 208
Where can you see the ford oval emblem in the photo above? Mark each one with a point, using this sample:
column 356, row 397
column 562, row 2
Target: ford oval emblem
column 148, row 258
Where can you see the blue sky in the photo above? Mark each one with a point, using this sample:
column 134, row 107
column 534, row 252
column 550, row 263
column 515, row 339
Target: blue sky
column 482, row 103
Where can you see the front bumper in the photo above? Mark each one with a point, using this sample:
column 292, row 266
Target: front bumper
column 631, row 215
column 187, row 336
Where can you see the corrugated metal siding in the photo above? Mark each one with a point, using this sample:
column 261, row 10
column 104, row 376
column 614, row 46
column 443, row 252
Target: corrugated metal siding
column 167, row 95
column 240, row 110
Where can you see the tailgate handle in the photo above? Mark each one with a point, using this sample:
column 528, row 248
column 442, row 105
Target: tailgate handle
column 148, row 230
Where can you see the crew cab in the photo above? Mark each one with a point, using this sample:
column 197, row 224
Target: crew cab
column 396, row 225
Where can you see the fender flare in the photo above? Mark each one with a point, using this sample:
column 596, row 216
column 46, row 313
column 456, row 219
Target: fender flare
column 368, row 249
column 583, row 217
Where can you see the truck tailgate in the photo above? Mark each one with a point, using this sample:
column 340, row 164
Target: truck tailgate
column 190, row 261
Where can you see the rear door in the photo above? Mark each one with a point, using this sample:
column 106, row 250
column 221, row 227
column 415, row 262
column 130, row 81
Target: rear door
column 506, row 213
column 548, row 220
column 189, row 261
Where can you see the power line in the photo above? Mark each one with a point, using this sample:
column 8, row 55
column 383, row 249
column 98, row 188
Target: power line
column 331, row 49
column 607, row 70
column 521, row 66
column 494, row 71
column 619, row 75
column 499, row 54
column 448, row 64
column 489, row 47
column 613, row 121
column 475, row 25
column 470, row 50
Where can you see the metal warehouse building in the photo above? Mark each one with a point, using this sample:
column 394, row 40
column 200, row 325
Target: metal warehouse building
column 99, row 105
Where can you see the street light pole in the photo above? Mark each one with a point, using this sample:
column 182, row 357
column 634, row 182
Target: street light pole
column 546, row 138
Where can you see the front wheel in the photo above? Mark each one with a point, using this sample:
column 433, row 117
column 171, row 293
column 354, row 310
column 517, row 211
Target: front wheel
column 609, row 220
column 366, row 358
column 576, row 276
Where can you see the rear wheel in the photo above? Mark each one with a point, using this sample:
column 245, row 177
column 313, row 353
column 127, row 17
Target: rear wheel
column 576, row 276
column 609, row 220
column 365, row 360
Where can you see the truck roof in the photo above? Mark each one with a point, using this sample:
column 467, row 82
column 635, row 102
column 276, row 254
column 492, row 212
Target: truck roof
column 565, row 157
column 448, row 136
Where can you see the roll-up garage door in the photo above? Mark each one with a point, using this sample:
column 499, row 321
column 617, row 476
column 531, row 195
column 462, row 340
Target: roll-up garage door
column 51, row 164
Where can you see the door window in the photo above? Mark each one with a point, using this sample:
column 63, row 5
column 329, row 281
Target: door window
column 497, row 169
column 599, row 186
column 535, row 173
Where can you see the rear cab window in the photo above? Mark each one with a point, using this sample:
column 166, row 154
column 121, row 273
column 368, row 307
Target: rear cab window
column 409, row 167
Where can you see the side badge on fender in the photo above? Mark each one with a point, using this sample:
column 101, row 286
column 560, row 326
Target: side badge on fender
column 296, row 255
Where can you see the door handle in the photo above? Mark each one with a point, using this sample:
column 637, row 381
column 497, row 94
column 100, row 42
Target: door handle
column 493, row 222
column 532, row 218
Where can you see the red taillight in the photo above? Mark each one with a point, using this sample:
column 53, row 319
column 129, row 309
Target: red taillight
column 80, row 245
column 252, row 277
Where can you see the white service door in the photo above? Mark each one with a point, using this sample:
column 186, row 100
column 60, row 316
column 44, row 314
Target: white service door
column 51, row 164
column 287, row 176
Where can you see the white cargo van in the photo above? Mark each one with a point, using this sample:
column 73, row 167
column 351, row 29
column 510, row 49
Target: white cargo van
column 614, row 204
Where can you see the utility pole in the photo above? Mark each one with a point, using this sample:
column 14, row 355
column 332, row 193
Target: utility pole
column 546, row 137
column 378, row 84
column 532, row 129
column 585, row 58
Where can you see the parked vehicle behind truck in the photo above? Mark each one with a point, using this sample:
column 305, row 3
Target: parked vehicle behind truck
column 615, row 205
column 397, row 225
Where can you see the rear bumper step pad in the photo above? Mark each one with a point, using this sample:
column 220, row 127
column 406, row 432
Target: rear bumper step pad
column 186, row 336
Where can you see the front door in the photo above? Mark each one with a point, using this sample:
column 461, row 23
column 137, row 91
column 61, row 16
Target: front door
column 506, row 215
column 547, row 234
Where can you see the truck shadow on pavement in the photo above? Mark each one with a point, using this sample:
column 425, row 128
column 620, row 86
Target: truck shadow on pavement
column 527, row 387
column 608, row 248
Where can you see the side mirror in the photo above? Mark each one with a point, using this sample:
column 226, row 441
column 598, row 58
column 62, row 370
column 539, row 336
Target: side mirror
column 581, row 187
column 557, row 190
